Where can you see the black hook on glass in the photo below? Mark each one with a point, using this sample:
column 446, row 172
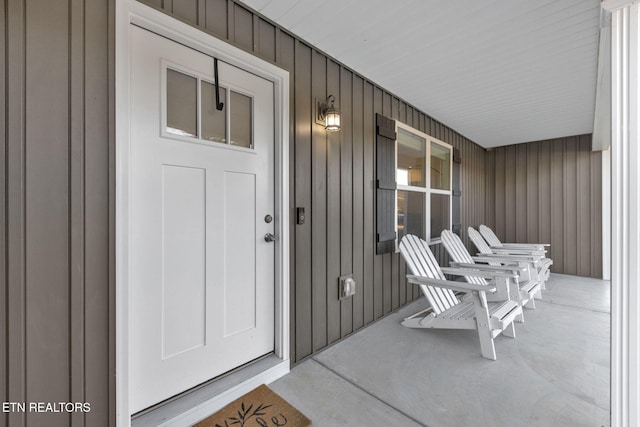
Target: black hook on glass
column 219, row 105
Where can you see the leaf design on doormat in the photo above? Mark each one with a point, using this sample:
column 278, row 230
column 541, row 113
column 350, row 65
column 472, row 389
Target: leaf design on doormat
column 245, row 414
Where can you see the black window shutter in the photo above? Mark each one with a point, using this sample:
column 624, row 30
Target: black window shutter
column 456, row 202
column 385, row 184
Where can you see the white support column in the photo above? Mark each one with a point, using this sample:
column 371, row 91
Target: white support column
column 606, row 214
column 625, row 213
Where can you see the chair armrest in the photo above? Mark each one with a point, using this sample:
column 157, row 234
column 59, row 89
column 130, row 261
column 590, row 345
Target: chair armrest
column 485, row 267
column 539, row 246
column 519, row 248
column 474, row 272
column 526, row 252
column 449, row 284
column 505, row 258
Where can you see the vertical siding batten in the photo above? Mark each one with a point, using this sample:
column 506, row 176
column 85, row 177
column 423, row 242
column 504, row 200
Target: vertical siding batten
column 201, row 13
column 333, row 211
column 4, row 330
column 358, row 200
column 317, row 221
column 15, row 225
column 99, row 217
column 77, row 205
column 346, row 195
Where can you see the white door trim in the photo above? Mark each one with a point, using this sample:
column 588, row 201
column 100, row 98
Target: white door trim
column 132, row 12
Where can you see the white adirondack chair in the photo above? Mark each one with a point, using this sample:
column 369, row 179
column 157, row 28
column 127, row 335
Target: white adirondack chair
column 447, row 311
column 523, row 287
column 486, row 240
column 494, row 242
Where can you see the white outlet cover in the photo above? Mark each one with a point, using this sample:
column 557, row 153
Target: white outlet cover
column 347, row 286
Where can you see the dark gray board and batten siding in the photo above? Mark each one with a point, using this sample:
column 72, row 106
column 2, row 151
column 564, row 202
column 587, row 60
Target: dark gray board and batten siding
column 549, row 192
column 57, row 323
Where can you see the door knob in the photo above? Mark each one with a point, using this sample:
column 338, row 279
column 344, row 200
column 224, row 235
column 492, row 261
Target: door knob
column 269, row 237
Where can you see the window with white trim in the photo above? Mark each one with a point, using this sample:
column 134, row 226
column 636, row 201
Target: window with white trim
column 423, row 177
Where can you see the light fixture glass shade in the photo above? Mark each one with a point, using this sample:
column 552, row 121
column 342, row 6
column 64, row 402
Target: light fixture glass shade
column 332, row 120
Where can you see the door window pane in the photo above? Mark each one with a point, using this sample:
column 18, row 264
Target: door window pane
column 411, row 213
column 214, row 121
column 241, row 120
column 182, row 104
column 411, row 159
column 440, row 167
column 439, row 214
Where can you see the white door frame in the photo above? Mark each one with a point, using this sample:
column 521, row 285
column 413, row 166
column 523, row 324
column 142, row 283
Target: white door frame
column 132, row 12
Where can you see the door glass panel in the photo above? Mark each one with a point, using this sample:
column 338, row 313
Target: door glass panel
column 439, row 214
column 411, row 159
column 214, row 123
column 440, row 164
column 182, row 104
column 411, row 213
column 241, row 120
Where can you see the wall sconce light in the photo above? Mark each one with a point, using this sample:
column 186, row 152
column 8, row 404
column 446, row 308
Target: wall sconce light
column 327, row 114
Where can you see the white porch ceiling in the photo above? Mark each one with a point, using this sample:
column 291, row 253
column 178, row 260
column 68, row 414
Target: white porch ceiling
column 499, row 72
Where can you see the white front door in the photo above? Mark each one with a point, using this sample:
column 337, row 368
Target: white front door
column 201, row 196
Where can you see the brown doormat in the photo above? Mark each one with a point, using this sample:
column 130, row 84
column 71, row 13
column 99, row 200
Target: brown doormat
column 260, row 407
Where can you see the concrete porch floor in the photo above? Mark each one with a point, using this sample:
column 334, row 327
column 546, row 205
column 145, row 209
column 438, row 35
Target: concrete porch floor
column 554, row 373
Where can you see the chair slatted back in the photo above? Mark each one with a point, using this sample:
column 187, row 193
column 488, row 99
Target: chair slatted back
column 421, row 262
column 480, row 243
column 459, row 253
column 489, row 236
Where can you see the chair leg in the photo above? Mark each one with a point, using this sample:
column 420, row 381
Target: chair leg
column 510, row 331
column 487, row 346
column 531, row 303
